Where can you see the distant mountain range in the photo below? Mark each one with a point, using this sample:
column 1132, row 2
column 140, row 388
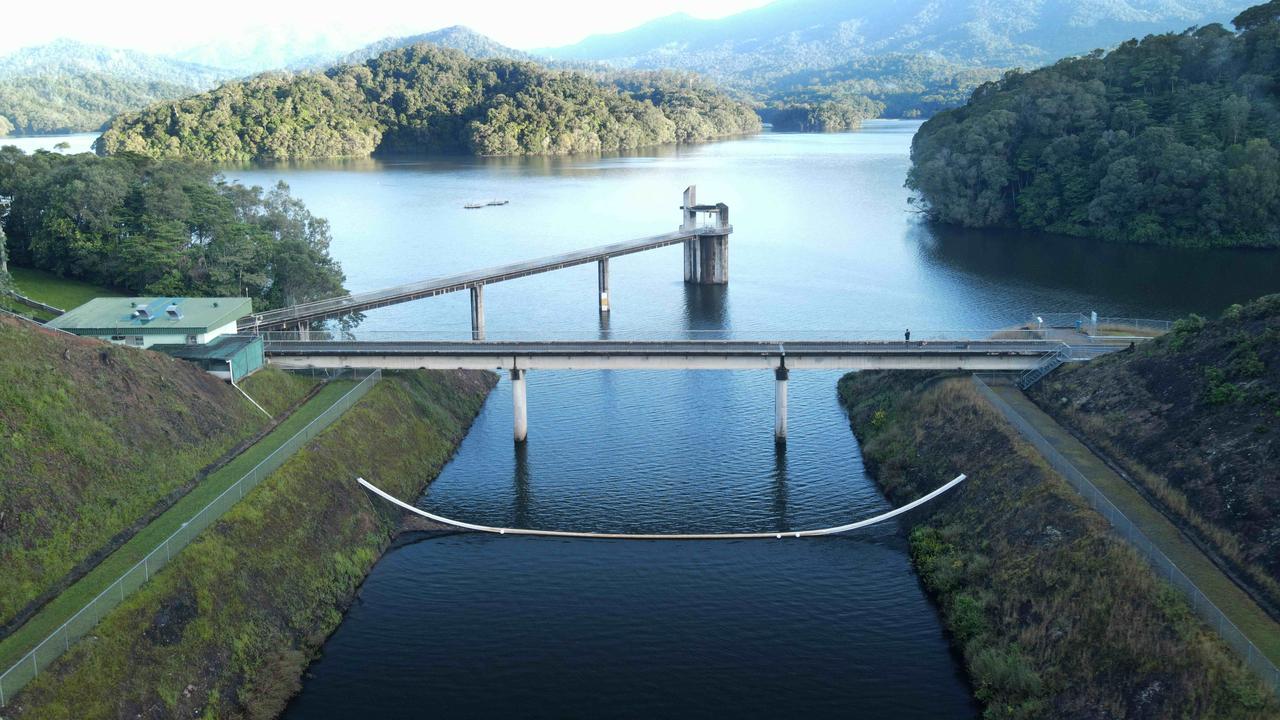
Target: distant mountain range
column 68, row 86
column 789, row 36
column 911, row 57
column 68, row 57
column 456, row 37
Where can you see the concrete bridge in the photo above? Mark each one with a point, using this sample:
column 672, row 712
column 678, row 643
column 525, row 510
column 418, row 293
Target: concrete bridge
column 704, row 232
column 780, row 357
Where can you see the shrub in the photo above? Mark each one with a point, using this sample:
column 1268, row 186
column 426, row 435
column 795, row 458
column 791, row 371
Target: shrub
column 1217, row 390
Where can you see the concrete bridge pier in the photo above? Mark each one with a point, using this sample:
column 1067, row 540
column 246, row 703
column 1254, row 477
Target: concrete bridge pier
column 477, row 312
column 519, row 405
column 603, row 273
column 780, row 377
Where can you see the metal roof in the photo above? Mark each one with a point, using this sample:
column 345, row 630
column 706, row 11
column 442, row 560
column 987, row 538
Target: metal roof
column 224, row 348
column 148, row 316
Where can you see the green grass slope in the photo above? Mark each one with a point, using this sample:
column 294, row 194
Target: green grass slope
column 1054, row 615
column 1193, row 420
column 93, row 438
column 227, row 629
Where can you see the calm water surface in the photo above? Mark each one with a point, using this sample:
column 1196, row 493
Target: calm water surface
column 824, row 244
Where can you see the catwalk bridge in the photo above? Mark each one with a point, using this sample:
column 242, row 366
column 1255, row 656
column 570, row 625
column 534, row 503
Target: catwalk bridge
column 291, row 342
column 706, row 262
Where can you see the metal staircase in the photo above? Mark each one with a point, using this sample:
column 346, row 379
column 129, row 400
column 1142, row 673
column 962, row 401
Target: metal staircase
column 1051, row 362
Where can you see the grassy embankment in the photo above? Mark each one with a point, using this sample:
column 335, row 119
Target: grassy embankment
column 95, row 441
column 227, row 629
column 50, row 290
column 70, row 600
column 1055, row 616
column 1192, row 420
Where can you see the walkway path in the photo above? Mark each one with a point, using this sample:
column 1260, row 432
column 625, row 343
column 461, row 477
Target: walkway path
column 1234, row 602
column 71, row 600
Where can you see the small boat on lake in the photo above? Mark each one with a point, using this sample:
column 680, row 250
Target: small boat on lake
column 473, row 206
column 497, row 202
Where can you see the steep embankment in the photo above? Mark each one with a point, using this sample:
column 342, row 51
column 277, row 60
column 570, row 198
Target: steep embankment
column 94, row 438
column 1055, row 617
column 1193, row 420
column 227, row 629
column 428, row 99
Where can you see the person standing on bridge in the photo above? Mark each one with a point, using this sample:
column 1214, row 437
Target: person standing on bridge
column 907, row 336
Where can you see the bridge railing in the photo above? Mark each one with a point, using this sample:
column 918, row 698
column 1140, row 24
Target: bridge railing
column 59, row 641
column 1086, row 322
column 355, row 302
column 1252, row 656
column 918, row 338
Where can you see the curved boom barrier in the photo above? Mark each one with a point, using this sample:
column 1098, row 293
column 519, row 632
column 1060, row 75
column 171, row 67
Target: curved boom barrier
column 664, row 536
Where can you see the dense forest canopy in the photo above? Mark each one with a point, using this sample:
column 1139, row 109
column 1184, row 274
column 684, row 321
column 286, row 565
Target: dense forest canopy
column 162, row 228
column 1170, row 140
column 903, row 86
column 428, row 99
column 67, row 86
column 49, row 104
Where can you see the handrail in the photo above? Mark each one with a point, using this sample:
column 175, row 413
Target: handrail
column 353, row 302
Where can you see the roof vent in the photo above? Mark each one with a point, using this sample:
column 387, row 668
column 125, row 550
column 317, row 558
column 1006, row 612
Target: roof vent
column 173, row 312
column 141, row 313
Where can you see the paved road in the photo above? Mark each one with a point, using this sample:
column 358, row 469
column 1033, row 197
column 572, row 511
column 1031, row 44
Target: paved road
column 691, row 354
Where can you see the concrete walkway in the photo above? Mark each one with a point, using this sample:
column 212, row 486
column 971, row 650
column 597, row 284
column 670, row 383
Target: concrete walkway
column 1234, row 602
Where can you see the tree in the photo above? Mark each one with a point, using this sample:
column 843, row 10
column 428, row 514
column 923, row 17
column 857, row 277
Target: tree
column 6, row 282
column 1170, row 140
column 164, row 228
column 1257, row 16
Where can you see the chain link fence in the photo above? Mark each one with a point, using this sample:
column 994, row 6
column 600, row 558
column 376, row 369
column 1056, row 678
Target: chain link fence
column 60, row 640
column 1204, row 607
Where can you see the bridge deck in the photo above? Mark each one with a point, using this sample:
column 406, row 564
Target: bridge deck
column 671, row 355
column 339, row 306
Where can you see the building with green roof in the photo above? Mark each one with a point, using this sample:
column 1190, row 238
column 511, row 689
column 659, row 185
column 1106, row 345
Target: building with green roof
column 146, row 321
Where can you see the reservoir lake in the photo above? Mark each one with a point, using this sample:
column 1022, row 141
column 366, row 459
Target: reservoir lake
column 825, row 244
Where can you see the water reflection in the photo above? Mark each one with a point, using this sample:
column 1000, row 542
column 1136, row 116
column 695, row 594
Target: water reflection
column 520, row 514
column 706, row 307
column 779, row 480
column 1125, row 279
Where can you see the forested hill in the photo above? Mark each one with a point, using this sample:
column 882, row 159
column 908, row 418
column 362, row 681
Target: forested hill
column 456, row 37
column 429, row 99
column 1171, row 140
column 67, row 86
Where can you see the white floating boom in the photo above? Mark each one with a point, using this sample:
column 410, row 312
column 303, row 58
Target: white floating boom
column 665, row 536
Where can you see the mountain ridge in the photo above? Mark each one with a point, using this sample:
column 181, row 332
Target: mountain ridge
column 791, row 35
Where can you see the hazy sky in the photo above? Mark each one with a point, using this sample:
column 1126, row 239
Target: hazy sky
column 166, row 26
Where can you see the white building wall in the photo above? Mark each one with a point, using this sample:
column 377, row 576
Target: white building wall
column 228, row 329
